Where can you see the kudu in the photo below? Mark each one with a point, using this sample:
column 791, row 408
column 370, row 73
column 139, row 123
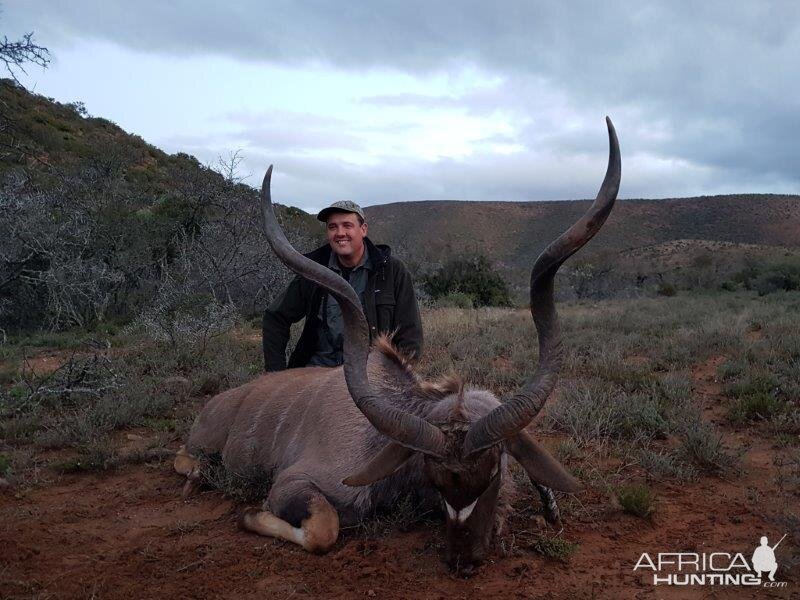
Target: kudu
column 341, row 443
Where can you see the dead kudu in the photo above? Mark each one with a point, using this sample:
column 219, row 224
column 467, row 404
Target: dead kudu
column 345, row 442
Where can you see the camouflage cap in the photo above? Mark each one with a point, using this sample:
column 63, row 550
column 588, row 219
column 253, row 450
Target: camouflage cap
column 341, row 206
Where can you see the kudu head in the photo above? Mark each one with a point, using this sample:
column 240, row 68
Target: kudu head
column 465, row 437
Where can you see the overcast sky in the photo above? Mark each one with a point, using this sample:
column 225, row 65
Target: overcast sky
column 381, row 101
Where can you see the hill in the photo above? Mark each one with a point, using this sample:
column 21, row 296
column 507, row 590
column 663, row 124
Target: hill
column 640, row 237
column 511, row 232
column 98, row 226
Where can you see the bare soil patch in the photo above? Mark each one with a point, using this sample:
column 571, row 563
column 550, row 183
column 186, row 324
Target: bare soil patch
column 128, row 534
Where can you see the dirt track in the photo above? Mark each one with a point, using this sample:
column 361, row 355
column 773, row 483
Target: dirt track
column 128, row 535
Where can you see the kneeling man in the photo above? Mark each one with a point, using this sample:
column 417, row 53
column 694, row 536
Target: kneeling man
column 380, row 280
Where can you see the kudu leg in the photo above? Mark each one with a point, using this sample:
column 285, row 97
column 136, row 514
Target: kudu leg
column 305, row 518
column 188, row 465
column 551, row 513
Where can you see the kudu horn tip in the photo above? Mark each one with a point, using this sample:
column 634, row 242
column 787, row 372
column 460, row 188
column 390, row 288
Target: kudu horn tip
column 266, row 183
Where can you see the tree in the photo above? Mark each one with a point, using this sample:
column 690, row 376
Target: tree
column 16, row 53
column 473, row 277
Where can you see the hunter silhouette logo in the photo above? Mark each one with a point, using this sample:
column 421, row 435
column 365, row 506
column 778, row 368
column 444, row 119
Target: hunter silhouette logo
column 714, row 568
column 764, row 558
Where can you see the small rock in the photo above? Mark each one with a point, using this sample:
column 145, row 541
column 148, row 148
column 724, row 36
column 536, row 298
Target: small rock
column 370, row 593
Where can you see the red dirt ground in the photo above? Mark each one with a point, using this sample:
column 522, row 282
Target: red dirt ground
column 129, row 535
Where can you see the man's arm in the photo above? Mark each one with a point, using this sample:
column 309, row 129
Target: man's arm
column 408, row 336
column 288, row 308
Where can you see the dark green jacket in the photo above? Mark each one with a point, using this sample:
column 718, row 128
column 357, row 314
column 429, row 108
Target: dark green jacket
column 389, row 304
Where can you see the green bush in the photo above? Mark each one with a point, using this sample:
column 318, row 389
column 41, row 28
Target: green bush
column 779, row 275
column 755, row 398
column 246, row 486
column 472, row 277
column 554, row 547
column 637, row 500
column 755, row 407
column 95, row 454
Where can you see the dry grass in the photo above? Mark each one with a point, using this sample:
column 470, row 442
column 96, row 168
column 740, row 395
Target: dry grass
column 628, row 379
column 627, row 387
column 100, row 390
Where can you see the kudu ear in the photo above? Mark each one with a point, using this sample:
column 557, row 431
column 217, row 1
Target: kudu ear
column 540, row 466
column 386, row 462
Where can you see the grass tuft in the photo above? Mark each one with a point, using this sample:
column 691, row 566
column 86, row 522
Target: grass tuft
column 703, row 447
column 97, row 454
column 662, row 465
column 637, row 500
column 755, row 407
column 404, row 515
column 554, row 547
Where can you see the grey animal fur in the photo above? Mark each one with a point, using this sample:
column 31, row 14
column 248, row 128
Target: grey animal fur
column 301, row 426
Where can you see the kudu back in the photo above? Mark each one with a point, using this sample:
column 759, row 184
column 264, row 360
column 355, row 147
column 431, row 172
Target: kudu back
column 342, row 443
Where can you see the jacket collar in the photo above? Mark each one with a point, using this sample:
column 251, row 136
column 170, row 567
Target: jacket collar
column 378, row 253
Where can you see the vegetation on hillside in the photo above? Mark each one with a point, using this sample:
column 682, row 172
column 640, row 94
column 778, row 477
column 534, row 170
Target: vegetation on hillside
column 773, row 276
column 691, row 244
column 100, row 227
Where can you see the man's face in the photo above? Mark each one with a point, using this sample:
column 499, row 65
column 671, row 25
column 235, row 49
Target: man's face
column 345, row 235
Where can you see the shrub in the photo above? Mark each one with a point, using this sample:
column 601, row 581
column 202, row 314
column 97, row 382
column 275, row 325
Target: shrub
column 181, row 316
column 5, row 465
column 666, row 289
column 95, row 454
column 659, row 464
column 637, row 500
column 786, row 423
column 554, row 547
column 779, row 275
column 594, row 409
column 731, row 368
column 704, row 448
column 755, row 398
column 755, row 407
column 473, row 277
column 248, row 486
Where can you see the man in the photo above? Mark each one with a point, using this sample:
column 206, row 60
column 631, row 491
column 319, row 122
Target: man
column 380, row 280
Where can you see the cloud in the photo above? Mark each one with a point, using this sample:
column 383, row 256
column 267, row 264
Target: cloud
column 704, row 95
column 311, row 182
